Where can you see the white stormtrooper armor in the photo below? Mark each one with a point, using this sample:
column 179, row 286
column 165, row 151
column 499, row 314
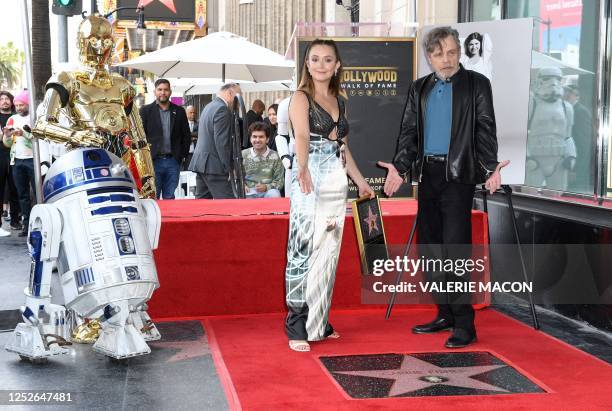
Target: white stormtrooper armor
column 285, row 142
column 551, row 151
column 100, row 235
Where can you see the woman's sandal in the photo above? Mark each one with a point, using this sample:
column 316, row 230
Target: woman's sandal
column 299, row 345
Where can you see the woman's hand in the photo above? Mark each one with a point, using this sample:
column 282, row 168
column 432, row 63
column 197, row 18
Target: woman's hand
column 365, row 190
column 304, row 179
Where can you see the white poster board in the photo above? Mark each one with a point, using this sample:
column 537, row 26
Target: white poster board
column 503, row 55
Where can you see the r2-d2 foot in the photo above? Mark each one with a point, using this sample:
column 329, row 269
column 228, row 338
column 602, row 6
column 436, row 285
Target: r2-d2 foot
column 118, row 337
column 42, row 334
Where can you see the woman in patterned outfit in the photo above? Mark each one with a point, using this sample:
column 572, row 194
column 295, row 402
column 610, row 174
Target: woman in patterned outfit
column 318, row 195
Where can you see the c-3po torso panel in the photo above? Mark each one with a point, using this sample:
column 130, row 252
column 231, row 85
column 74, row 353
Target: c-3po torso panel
column 101, row 105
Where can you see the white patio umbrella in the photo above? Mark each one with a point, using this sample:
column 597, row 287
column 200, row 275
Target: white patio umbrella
column 211, row 86
column 218, row 55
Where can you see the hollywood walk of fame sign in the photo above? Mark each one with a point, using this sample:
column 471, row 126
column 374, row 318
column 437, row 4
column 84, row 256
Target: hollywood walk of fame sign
column 426, row 374
column 367, row 216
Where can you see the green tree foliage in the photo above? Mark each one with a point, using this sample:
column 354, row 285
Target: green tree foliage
column 11, row 65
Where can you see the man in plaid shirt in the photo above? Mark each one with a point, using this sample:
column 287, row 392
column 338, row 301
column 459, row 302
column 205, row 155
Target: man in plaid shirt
column 263, row 169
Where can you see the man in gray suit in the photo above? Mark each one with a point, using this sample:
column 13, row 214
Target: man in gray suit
column 212, row 157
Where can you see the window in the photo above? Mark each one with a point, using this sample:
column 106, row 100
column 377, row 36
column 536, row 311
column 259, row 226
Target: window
column 562, row 139
column 486, row 10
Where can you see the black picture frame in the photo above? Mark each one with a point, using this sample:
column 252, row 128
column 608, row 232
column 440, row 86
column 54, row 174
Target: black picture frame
column 369, row 226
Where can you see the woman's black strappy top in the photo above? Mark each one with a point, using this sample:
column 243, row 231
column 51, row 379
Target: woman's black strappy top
column 321, row 122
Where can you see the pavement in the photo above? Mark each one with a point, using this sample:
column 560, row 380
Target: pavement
column 14, row 269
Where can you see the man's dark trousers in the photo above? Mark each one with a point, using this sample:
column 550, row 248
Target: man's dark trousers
column 215, row 186
column 167, row 173
column 445, row 217
column 23, row 175
column 8, row 190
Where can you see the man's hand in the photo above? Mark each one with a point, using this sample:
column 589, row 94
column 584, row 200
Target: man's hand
column 393, row 181
column 493, row 183
column 261, row 188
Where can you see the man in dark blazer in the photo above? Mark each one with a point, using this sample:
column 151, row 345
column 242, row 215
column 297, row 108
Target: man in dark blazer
column 193, row 127
column 212, row 158
column 252, row 116
column 583, row 133
column 167, row 130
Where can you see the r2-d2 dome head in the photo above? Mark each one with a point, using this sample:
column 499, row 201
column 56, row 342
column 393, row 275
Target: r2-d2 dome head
column 85, row 169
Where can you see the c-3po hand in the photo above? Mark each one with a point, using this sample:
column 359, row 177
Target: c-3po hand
column 87, row 138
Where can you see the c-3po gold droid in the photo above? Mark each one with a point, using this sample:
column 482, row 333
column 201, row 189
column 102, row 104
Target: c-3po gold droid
column 92, row 107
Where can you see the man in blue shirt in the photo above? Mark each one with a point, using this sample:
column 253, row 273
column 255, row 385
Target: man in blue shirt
column 448, row 141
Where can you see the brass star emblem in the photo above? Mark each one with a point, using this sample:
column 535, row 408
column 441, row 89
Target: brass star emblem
column 372, row 221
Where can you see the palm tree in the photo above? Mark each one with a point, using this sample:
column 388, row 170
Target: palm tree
column 11, row 65
column 41, row 47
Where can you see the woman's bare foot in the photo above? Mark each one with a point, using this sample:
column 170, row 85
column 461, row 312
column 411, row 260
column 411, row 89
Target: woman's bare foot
column 334, row 336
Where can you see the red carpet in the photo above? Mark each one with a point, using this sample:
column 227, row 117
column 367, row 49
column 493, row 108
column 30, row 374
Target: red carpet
column 218, row 257
column 261, row 373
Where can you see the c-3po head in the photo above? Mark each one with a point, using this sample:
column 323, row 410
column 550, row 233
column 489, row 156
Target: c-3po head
column 95, row 41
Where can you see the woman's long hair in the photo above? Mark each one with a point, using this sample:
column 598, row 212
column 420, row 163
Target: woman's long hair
column 306, row 82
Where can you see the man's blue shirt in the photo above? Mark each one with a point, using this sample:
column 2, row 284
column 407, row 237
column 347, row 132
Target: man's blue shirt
column 438, row 118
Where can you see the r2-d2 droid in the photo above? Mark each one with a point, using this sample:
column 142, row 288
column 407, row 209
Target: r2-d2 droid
column 100, row 235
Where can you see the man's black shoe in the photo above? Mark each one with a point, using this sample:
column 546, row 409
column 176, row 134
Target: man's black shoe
column 460, row 338
column 23, row 233
column 16, row 226
column 440, row 324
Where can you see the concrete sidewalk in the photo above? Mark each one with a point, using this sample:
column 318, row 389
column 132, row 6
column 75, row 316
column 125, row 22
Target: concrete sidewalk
column 14, row 269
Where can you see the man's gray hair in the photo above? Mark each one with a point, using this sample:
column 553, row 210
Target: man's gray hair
column 227, row 86
column 434, row 38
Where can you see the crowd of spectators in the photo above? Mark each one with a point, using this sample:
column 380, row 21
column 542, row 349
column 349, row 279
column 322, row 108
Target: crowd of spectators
column 173, row 133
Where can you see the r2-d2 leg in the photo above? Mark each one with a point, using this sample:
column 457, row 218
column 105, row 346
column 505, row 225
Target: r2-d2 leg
column 44, row 330
column 138, row 315
column 118, row 337
column 143, row 323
